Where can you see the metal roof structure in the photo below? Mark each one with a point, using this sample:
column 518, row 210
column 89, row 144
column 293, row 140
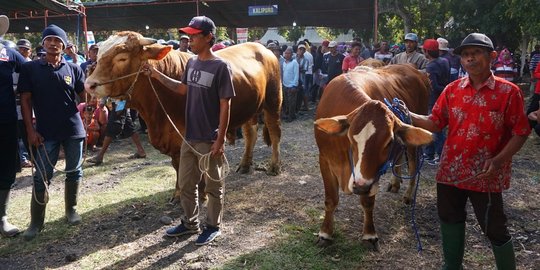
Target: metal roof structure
column 34, row 15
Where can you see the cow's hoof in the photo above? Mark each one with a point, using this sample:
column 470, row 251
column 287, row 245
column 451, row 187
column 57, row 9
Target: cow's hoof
column 243, row 169
column 407, row 200
column 371, row 244
column 174, row 200
column 273, row 170
column 392, row 188
column 323, row 242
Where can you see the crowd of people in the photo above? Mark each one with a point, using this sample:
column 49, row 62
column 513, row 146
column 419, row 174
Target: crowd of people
column 474, row 79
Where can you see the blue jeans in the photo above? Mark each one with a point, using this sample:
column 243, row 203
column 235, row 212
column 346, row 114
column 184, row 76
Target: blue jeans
column 73, row 153
column 437, row 145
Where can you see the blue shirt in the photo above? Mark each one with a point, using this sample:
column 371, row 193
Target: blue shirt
column 439, row 76
column 54, row 92
column 290, row 73
column 10, row 61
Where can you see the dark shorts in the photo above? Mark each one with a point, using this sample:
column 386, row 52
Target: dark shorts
column 488, row 209
column 9, row 159
column 120, row 124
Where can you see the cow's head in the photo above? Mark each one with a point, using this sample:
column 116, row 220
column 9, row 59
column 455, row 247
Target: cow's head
column 372, row 130
column 120, row 55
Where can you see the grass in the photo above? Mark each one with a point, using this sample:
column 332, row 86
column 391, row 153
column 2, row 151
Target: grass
column 295, row 249
column 147, row 185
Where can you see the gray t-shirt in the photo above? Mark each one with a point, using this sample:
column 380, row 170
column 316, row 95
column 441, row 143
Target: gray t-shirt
column 207, row 81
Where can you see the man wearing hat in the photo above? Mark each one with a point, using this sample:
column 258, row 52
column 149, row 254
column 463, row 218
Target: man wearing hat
column 10, row 61
column 209, row 88
column 49, row 87
column 411, row 55
column 453, row 60
column 438, row 71
column 92, row 57
column 486, row 127
column 25, row 48
column 184, row 44
column 332, row 62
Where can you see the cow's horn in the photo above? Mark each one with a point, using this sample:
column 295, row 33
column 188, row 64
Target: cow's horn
column 147, row 41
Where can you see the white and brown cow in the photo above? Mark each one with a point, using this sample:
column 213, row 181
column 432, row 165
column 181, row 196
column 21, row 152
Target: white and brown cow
column 353, row 123
column 256, row 79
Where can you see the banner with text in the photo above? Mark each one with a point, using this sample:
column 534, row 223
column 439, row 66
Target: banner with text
column 241, row 35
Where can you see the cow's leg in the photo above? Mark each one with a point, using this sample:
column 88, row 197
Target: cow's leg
column 273, row 131
column 395, row 182
column 331, row 200
column 176, row 164
column 369, row 235
column 249, row 130
column 407, row 196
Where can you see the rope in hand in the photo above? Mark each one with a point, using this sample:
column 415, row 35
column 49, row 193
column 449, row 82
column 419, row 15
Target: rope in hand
column 204, row 159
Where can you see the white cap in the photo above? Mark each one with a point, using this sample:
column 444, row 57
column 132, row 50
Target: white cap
column 332, row 44
column 443, row 44
column 302, row 46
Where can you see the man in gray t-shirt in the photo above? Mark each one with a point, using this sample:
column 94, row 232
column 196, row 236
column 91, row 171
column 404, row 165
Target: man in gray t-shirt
column 207, row 81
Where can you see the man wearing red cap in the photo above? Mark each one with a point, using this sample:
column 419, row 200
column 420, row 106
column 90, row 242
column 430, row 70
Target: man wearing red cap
column 438, row 70
column 486, row 127
column 207, row 81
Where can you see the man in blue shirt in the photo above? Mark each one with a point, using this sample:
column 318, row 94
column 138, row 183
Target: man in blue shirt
column 10, row 61
column 290, row 75
column 438, row 70
column 50, row 87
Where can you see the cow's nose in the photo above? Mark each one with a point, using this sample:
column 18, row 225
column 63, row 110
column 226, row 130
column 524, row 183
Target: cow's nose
column 90, row 86
column 361, row 189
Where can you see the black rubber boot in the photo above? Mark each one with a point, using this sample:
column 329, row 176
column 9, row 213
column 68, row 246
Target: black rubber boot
column 6, row 229
column 71, row 191
column 37, row 211
column 505, row 258
column 453, row 238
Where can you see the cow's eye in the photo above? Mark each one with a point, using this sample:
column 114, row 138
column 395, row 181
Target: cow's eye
column 122, row 59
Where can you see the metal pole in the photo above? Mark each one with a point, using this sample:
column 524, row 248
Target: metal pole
column 376, row 21
column 85, row 27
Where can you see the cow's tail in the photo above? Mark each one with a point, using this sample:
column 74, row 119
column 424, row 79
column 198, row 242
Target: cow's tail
column 266, row 136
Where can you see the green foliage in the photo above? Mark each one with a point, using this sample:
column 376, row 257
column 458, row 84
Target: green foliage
column 505, row 21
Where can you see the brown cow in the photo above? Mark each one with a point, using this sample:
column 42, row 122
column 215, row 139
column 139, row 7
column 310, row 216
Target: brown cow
column 256, row 78
column 352, row 119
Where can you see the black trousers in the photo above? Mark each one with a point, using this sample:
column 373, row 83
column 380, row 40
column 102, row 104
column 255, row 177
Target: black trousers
column 9, row 154
column 451, row 203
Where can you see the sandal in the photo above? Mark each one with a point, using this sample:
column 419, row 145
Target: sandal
column 95, row 160
column 137, row 155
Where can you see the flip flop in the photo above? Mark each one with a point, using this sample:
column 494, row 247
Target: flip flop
column 136, row 155
column 95, row 160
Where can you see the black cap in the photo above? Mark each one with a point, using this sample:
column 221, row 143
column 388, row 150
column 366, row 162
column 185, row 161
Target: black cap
column 24, row 43
column 199, row 24
column 475, row 39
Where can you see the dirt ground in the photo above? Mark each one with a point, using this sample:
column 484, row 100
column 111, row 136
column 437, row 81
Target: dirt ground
column 257, row 205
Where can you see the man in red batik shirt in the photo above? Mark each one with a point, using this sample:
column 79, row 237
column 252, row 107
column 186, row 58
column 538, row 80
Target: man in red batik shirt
column 486, row 127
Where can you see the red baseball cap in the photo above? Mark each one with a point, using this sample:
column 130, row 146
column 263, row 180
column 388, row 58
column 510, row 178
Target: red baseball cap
column 431, row 45
column 199, row 24
column 325, row 43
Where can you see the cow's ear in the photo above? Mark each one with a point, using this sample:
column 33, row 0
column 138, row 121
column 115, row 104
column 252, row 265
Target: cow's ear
column 156, row 52
column 414, row 136
column 337, row 125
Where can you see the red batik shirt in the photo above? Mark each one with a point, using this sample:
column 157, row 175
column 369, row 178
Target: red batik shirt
column 480, row 123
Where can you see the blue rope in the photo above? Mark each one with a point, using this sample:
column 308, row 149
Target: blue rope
column 399, row 108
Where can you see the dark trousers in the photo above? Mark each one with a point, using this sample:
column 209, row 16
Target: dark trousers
column 289, row 102
column 9, row 159
column 451, row 203
column 533, row 106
